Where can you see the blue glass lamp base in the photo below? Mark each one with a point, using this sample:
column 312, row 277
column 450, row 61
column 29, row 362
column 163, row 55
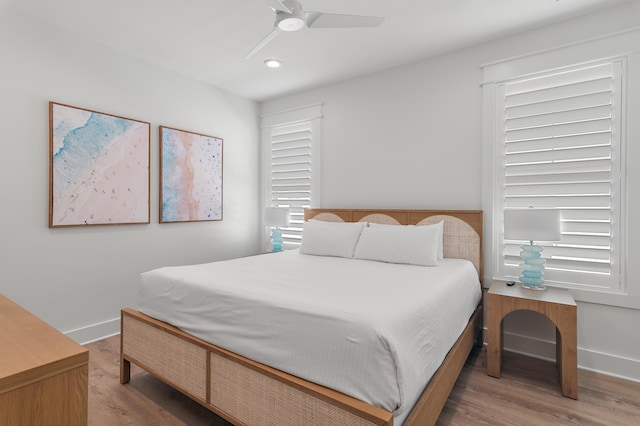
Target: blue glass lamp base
column 276, row 240
column 532, row 277
column 533, row 287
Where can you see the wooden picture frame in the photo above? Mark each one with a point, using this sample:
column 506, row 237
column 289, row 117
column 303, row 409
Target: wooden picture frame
column 98, row 168
column 190, row 176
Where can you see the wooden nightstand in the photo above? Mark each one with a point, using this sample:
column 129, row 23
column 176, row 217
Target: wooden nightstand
column 557, row 305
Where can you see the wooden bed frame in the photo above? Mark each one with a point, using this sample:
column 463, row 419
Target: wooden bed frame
column 246, row 392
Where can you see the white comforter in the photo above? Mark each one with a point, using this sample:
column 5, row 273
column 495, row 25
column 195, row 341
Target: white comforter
column 372, row 330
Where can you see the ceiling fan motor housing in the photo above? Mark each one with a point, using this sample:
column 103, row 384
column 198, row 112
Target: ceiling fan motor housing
column 290, row 16
column 291, row 21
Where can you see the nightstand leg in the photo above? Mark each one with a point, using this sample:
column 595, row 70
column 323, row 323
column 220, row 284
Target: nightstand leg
column 566, row 353
column 494, row 343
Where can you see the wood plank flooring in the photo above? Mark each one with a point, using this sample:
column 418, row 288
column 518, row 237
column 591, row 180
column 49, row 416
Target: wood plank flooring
column 528, row 393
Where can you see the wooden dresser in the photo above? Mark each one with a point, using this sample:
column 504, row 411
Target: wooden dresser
column 43, row 373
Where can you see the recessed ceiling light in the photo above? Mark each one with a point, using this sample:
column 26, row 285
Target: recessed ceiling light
column 272, row 63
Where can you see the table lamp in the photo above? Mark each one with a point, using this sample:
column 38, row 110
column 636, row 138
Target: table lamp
column 532, row 224
column 276, row 217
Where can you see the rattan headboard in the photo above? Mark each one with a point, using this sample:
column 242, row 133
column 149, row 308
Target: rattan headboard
column 462, row 228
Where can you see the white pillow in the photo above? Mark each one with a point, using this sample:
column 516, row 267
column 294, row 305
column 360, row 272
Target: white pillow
column 330, row 238
column 439, row 226
column 414, row 245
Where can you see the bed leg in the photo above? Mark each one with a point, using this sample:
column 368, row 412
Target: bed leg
column 479, row 332
column 125, row 370
column 479, row 342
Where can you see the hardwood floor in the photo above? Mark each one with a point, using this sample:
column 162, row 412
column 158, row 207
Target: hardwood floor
column 528, row 393
column 145, row 400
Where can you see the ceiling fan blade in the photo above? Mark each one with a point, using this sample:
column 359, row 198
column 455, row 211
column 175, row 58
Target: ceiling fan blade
column 264, row 42
column 278, row 5
column 336, row 20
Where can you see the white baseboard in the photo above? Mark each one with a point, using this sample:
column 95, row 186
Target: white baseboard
column 621, row 367
column 94, row 332
column 609, row 364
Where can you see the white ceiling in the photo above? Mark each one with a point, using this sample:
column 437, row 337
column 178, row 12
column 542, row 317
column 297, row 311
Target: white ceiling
column 208, row 39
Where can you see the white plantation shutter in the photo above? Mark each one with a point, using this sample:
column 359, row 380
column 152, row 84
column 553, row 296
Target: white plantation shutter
column 560, row 137
column 292, row 141
column 290, row 175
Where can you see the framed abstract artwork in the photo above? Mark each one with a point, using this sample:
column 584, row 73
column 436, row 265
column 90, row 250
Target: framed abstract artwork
column 98, row 169
column 190, row 176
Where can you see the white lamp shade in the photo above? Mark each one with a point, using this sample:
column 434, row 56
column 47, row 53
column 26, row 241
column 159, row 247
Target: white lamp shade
column 275, row 216
column 532, row 224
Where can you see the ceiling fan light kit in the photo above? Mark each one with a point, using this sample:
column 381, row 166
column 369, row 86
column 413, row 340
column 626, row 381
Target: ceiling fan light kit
column 290, row 16
column 291, row 21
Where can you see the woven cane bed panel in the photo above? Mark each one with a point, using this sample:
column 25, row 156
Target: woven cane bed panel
column 259, row 400
column 380, row 218
column 175, row 359
column 461, row 241
column 328, row 217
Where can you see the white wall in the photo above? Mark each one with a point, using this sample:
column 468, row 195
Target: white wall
column 386, row 144
column 411, row 137
column 78, row 279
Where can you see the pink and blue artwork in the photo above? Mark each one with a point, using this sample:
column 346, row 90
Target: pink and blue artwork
column 99, row 168
column 190, row 176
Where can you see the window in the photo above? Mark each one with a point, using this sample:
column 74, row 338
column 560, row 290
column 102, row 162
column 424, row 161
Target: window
column 292, row 155
column 558, row 138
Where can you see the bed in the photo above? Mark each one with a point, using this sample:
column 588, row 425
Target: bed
column 168, row 341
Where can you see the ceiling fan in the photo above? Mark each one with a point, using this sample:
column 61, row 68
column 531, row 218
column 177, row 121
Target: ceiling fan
column 291, row 17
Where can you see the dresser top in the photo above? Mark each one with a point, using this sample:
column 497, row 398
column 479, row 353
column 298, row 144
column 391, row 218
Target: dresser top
column 30, row 349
